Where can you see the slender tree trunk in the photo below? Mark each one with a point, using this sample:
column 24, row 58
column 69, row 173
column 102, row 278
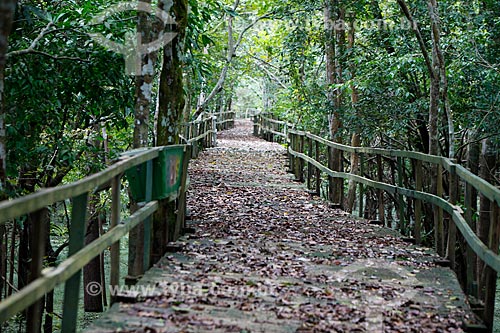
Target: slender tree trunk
column 7, row 10
column 144, row 81
column 486, row 167
column 92, row 271
column 335, row 44
column 356, row 139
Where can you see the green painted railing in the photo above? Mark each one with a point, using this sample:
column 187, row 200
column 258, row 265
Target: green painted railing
column 69, row 271
column 311, row 157
column 202, row 133
column 153, row 174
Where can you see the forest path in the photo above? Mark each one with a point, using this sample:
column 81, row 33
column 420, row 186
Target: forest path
column 267, row 256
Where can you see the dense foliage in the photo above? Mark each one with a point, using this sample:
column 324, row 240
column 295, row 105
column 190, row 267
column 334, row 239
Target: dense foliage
column 339, row 68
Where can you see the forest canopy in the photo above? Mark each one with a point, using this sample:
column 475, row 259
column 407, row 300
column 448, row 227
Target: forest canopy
column 412, row 75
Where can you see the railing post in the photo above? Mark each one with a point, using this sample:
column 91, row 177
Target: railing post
column 341, row 181
column 490, row 273
column 380, row 193
column 361, row 186
column 114, row 278
column 76, row 243
column 181, row 206
column 291, row 146
column 261, row 126
column 255, row 126
column 203, row 131
column 296, row 163
column 309, row 165
column 452, row 228
column 418, row 202
column 194, row 152
column 148, row 222
column 471, row 259
column 214, row 134
column 331, row 185
column 301, row 161
column 438, row 214
column 401, row 208
column 318, row 171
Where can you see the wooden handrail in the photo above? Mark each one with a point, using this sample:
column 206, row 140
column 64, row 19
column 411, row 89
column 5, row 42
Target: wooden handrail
column 203, row 132
column 51, row 277
column 488, row 256
column 459, row 178
column 69, row 271
column 45, row 197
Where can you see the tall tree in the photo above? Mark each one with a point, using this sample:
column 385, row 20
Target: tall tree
column 146, row 28
column 7, row 10
column 335, row 35
column 356, row 137
column 171, row 105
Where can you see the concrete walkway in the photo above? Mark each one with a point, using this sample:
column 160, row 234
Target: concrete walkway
column 266, row 256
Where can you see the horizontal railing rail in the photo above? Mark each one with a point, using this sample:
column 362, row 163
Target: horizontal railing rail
column 312, row 156
column 139, row 166
column 202, row 133
column 69, row 271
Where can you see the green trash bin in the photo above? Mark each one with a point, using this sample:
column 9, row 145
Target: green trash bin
column 167, row 175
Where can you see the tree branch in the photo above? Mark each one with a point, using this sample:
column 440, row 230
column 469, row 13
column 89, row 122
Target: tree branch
column 269, row 73
column 45, row 54
column 34, row 43
column 420, row 39
column 232, row 48
column 31, row 49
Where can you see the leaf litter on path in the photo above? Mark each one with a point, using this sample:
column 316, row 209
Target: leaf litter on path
column 269, row 257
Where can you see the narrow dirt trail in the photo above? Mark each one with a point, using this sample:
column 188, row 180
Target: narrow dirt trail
column 266, row 256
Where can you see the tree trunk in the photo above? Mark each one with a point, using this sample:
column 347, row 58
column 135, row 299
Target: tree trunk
column 334, row 46
column 143, row 101
column 7, row 10
column 356, row 139
column 486, row 165
column 92, row 271
column 171, row 106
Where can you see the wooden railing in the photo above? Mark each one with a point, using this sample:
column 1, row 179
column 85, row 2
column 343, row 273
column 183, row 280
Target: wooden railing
column 69, row 271
column 168, row 164
column 408, row 194
column 270, row 128
column 202, row 133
